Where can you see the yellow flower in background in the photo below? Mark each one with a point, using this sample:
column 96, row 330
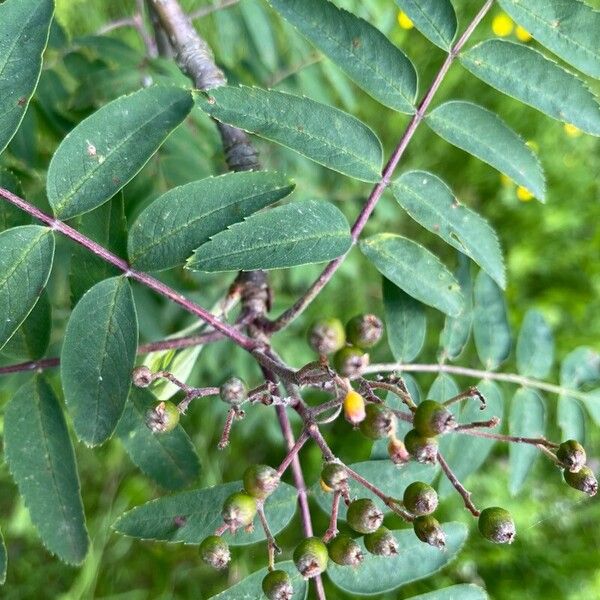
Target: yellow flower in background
column 502, row 25
column 522, row 34
column 523, row 194
column 404, row 21
column 505, row 180
column 572, row 131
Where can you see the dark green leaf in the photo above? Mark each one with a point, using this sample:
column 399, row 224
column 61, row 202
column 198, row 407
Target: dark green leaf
column 571, row 418
column 31, row 340
column 26, row 255
column 490, row 322
column 24, row 35
column 322, row 133
column 97, row 358
column 169, row 458
column 261, row 32
column 569, row 28
column 406, row 323
column 414, row 560
column 464, row 591
column 528, row 76
column 457, row 330
column 250, row 587
column 178, row 222
column 391, row 480
column 430, row 202
column 107, row 226
column 41, row 459
column 361, row 50
column 415, row 270
column 109, row 147
column 527, row 419
column 435, row 19
column 199, row 512
column 294, row 234
column 535, row 346
column 11, row 216
column 483, row 134
column 468, row 453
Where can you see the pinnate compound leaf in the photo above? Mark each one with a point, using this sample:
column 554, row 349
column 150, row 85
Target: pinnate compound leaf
column 322, row 133
column 535, row 346
column 391, row 480
column 97, row 358
column 415, row 270
column 176, row 223
column 570, row 28
column 32, row 338
column 457, row 330
column 97, row 158
column 415, row 560
column 26, row 255
column 527, row 75
column 435, row 19
column 431, row 203
column 190, row 516
column 250, row 587
column 169, row 459
column 358, row 48
column 490, row 322
column 527, row 419
column 41, row 459
column 294, row 234
column 485, row 135
column 463, row 591
column 406, row 322
column 468, row 453
column 23, row 38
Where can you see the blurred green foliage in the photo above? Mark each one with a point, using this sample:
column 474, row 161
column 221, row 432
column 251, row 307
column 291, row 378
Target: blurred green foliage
column 552, row 258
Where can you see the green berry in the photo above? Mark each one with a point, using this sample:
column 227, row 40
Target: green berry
column 277, row 585
column 584, row 480
column 379, row 422
column 142, row 376
column 260, row 481
column 422, row 449
column 311, row 557
column 428, row 530
column 364, row 331
column 364, row 516
column 397, row 451
column 381, row 542
column 239, row 510
column 350, row 361
column 334, row 476
column 214, row 551
column 163, row 418
column 420, row 498
column 344, row 551
column 572, row 455
column 432, row 418
column 234, row 391
column 327, row 336
column 497, row 525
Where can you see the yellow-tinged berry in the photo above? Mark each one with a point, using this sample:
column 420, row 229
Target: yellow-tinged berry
column 345, row 551
column 522, row 34
column 327, row 336
column 502, row 25
column 428, row 530
column 354, row 407
column 260, row 481
column 239, row 510
column 163, row 418
column 311, row 557
column 523, row 194
column 364, row 516
column 496, row 525
column 397, row 452
column 350, row 361
column 325, row 487
column 277, row 585
column 572, row 131
column 214, row 551
column 404, row 21
column 379, row 422
column 381, row 542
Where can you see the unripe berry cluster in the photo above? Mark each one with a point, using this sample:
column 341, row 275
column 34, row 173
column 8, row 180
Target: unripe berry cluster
column 572, row 458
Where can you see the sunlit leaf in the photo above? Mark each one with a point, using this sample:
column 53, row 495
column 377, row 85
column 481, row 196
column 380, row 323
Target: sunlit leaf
column 571, row 418
column 435, row 19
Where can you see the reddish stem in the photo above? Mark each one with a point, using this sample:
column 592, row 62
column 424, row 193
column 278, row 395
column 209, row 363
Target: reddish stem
column 460, row 488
